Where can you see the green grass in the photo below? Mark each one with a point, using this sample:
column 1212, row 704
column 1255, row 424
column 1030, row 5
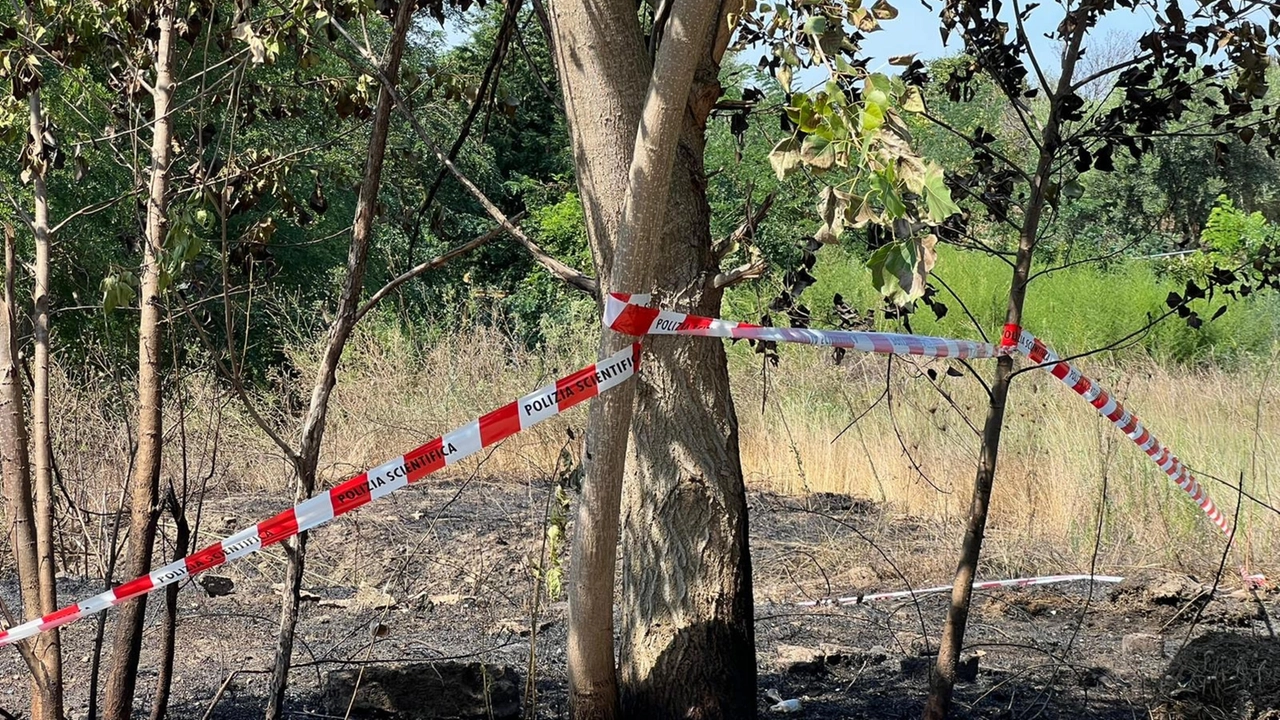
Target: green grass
column 1074, row 310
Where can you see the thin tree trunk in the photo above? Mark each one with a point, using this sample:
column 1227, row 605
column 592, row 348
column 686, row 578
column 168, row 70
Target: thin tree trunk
column 169, row 632
column 326, row 375
column 942, row 679
column 144, row 483
column 49, row 646
column 15, row 465
column 604, row 72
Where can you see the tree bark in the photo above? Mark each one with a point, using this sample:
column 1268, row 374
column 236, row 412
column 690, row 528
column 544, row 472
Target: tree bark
column 942, row 679
column 144, row 483
column 688, row 637
column 169, row 632
column 48, row 646
column 652, row 231
column 326, row 376
column 15, row 465
column 604, row 72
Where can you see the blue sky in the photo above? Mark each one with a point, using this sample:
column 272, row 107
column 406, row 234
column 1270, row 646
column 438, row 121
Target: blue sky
column 916, row 29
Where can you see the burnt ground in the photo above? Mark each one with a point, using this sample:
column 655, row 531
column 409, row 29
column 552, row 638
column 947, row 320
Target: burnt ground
column 441, row 572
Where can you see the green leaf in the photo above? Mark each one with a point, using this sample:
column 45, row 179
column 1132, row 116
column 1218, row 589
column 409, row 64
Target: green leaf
column 818, row 152
column 815, row 25
column 937, row 196
column 785, row 157
column 900, row 269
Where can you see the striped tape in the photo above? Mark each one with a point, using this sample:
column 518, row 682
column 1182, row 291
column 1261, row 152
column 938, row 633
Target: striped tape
column 540, row 405
column 628, row 314
column 1128, row 423
column 984, row 585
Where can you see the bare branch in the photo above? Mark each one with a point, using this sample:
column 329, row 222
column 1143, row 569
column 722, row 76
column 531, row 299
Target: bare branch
column 569, row 275
column 742, row 273
column 746, row 230
column 431, row 264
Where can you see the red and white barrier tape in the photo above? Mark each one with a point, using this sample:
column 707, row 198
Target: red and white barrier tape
column 1111, row 409
column 628, row 314
column 985, row 585
column 544, row 403
column 625, row 314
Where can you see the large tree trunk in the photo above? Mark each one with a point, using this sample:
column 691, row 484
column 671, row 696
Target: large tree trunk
column 943, row 678
column 144, row 483
column 688, row 639
column 692, row 667
column 48, row 647
column 326, row 375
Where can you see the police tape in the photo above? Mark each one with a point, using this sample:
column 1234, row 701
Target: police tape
column 983, row 585
column 1108, row 407
column 629, row 314
column 540, row 405
column 625, row 314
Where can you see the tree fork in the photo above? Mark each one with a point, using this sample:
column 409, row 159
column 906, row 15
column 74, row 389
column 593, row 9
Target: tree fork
column 326, row 376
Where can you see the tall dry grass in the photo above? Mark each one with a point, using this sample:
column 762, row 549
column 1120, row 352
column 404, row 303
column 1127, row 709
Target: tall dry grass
column 914, row 452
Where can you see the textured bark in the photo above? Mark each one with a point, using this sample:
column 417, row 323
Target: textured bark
column 145, row 480
column 604, row 72
column 703, row 664
column 49, row 645
column 943, row 678
column 326, row 376
column 688, row 638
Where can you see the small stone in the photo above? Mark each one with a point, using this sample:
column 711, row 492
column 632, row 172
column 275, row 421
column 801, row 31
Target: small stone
column 217, row 585
column 1142, row 644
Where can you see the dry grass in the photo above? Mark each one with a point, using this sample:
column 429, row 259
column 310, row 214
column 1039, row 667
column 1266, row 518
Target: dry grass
column 1057, row 454
column 394, row 394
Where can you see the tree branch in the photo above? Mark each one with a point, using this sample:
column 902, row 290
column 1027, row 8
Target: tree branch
column 568, row 274
column 431, row 264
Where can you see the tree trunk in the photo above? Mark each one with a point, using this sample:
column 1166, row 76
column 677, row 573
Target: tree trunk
column 639, row 229
column 942, row 679
column 169, row 632
column 326, row 375
column 688, row 637
column 604, row 72
column 48, row 646
column 144, row 483
column 15, row 465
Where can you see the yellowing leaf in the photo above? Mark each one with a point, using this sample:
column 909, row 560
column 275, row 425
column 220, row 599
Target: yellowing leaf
column 818, row 152
column 785, row 157
column 884, row 11
column 913, row 100
column 832, row 207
